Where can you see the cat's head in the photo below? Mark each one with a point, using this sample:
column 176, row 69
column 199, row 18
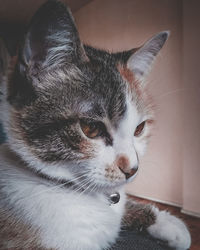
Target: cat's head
column 75, row 111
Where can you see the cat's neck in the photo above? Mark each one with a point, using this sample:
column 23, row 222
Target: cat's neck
column 19, row 168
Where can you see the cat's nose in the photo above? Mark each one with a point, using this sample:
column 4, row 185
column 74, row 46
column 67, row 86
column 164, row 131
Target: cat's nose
column 129, row 172
column 124, row 165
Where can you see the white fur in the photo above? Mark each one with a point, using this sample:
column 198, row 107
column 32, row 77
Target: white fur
column 65, row 219
column 171, row 229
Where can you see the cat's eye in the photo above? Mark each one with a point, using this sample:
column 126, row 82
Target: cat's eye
column 91, row 129
column 139, row 129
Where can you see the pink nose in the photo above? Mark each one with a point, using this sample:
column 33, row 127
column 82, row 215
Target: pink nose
column 124, row 165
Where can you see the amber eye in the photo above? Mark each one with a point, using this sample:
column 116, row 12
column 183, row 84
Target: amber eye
column 92, row 129
column 139, row 129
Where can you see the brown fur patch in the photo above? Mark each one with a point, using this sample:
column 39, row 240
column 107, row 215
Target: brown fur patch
column 126, row 73
column 138, row 216
column 87, row 149
column 134, row 85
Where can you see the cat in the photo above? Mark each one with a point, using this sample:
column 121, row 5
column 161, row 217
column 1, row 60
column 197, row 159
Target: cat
column 77, row 120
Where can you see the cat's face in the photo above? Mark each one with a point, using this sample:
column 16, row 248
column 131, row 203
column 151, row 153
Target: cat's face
column 76, row 112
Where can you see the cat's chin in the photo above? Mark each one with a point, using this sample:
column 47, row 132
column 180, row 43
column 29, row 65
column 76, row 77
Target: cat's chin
column 113, row 187
column 107, row 185
column 110, row 188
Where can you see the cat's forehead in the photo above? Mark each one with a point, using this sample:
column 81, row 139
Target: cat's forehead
column 101, row 97
column 98, row 92
column 108, row 93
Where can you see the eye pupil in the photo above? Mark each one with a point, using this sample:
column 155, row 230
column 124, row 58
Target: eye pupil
column 139, row 129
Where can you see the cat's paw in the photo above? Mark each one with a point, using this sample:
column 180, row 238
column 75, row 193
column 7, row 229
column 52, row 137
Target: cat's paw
column 170, row 229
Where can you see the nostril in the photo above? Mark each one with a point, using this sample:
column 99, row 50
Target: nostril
column 129, row 172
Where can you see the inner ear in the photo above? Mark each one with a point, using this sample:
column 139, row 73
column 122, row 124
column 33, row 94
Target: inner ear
column 136, row 63
column 141, row 60
column 52, row 38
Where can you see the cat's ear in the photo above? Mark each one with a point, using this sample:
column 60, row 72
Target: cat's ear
column 141, row 60
column 51, row 38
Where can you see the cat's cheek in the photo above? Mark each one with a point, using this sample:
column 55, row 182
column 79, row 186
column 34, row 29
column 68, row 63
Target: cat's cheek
column 142, row 142
column 105, row 154
column 141, row 146
column 102, row 167
column 87, row 149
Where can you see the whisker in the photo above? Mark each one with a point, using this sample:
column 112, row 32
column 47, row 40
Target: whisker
column 93, row 188
column 89, row 186
column 81, row 185
column 54, row 187
column 43, row 191
column 81, row 193
column 170, row 93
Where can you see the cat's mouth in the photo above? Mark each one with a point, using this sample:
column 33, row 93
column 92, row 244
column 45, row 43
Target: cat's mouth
column 121, row 176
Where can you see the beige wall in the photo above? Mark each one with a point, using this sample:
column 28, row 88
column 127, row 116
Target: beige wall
column 119, row 25
column 191, row 104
